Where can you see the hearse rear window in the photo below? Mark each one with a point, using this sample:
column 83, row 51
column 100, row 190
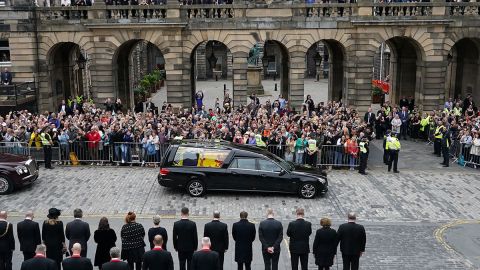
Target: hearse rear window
column 199, row 157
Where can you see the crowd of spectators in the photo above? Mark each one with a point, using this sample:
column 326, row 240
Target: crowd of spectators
column 109, row 132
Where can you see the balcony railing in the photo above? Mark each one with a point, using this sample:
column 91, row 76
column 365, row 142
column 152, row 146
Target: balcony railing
column 308, row 12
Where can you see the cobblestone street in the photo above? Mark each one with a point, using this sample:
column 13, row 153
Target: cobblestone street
column 401, row 211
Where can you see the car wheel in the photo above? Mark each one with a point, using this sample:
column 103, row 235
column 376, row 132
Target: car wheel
column 5, row 185
column 196, row 188
column 307, row 190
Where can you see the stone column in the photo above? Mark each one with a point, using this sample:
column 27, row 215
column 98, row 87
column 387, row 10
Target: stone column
column 296, row 74
column 432, row 96
column 239, row 68
column 178, row 80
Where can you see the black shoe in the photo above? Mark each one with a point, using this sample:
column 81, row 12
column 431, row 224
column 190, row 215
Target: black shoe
column 51, row 168
column 396, row 171
column 388, row 170
column 441, row 163
column 445, row 165
column 364, row 173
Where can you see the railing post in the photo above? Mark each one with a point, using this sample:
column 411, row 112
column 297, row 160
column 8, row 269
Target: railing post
column 173, row 10
column 439, row 8
column 98, row 10
column 364, row 8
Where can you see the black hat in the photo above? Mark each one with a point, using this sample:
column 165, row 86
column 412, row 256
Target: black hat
column 53, row 213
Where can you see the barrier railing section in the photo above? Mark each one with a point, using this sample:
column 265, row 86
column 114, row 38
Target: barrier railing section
column 209, row 11
column 327, row 155
column 413, row 9
column 462, row 154
column 332, row 10
column 23, row 148
column 138, row 153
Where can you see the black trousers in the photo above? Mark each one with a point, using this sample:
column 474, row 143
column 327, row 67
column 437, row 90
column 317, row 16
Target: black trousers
column 28, row 255
column 350, row 262
column 363, row 162
column 185, row 258
column 393, row 159
column 131, row 264
column 47, row 151
column 271, row 260
column 403, row 130
column 386, row 156
column 294, row 257
column 247, row 265
column 6, row 260
column 323, row 267
column 221, row 258
column 437, row 146
column 446, row 155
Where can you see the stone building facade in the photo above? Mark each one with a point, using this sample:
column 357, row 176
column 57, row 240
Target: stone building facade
column 434, row 47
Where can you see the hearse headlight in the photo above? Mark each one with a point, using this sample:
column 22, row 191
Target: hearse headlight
column 21, row 169
column 321, row 180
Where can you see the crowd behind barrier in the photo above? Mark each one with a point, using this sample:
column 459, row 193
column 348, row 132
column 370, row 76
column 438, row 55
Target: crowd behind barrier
column 326, row 134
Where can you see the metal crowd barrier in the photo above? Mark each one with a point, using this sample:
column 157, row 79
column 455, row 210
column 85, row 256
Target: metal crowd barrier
column 462, row 155
column 327, row 155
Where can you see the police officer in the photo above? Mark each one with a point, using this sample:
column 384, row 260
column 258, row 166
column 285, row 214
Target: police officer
column 385, row 151
column 393, row 147
column 437, row 143
column 363, row 155
column 47, row 143
column 445, row 144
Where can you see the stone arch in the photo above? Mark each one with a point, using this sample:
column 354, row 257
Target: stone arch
column 129, row 69
column 211, row 60
column 66, row 72
column 406, row 68
column 276, row 62
column 327, row 57
column 463, row 69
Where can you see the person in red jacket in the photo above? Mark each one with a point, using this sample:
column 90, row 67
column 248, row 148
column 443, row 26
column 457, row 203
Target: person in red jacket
column 93, row 138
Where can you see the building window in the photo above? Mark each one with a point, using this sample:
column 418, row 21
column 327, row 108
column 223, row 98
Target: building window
column 4, row 53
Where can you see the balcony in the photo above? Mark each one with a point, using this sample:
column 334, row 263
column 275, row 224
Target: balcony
column 296, row 12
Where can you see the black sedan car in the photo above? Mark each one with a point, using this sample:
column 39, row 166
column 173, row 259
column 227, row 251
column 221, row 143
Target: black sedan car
column 16, row 171
column 200, row 166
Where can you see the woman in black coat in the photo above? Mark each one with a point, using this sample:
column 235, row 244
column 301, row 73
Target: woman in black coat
column 325, row 245
column 105, row 239
column 53, row 236
column 133, row 245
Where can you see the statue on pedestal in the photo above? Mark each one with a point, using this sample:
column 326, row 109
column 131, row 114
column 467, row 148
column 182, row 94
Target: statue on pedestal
column 254, row 56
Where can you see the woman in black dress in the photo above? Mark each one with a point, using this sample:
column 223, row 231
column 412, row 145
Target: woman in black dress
column 325, row 245
column 133, row 245
column 105, row 239
column 53, row 236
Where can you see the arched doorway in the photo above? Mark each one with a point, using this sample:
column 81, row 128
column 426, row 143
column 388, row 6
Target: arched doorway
column 140, row 70
column 324, row 71
column 211, row 73
column 67, row 72
column 276, row 69
column 405, row 70
column 463, row 75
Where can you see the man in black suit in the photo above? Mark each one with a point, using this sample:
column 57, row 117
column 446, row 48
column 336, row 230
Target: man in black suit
column 352, row 238
column 6, row 77
column 369, row 118
column 150, row 106
column 299, row 232
column 205, row 259
column 39, row 261
column 185, row 239
column 7, row 242
column 28, row 232
column 217, row 231
column 78, row 231
column 77, row 262
column 115, row 263
column 243, row 233
column 157, row 258
column 270, row 233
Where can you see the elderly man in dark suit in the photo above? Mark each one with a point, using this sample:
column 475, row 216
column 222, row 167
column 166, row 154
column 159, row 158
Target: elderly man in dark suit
column 78, row 231
column 39, row 261
column 115, row 263
column 243, row 233
column 28, row 232
column 369, row 118
column 405, row 119
column 205, row 259
column 157, row 258
column 77, row 262
column 299, row 232
column 352, row 238
column 270, row 233
column 7, row 242
column 217, row 231
column 185, row 239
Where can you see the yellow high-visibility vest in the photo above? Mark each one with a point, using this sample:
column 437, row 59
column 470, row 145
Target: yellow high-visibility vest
column 393, row 144
column 438, row 134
